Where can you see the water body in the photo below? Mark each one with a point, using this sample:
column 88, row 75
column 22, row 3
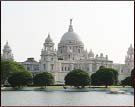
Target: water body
column 63, row 98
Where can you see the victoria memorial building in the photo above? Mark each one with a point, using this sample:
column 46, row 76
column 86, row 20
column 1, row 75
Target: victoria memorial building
column 71, row 55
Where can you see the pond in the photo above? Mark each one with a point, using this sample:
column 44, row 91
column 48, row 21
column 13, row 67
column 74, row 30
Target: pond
column 65, row 98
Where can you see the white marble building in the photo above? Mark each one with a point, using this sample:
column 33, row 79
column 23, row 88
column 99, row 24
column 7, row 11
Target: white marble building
column 7, row 52
column 72, row 55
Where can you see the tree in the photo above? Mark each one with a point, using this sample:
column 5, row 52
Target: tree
column 8, row 67
column 20, row 79
column 115, row 73
column 126, row 81
column 104, row 76
column 101, row 67
column 132, row 78
column 77, row 78
column 129, row 80
column 43, row 79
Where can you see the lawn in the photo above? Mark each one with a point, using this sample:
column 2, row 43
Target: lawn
column 85, row 86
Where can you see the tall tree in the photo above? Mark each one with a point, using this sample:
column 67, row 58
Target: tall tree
column 8, row 67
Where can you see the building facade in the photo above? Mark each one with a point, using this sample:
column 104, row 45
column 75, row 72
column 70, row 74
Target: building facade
column 71, row 55
column 31, row 65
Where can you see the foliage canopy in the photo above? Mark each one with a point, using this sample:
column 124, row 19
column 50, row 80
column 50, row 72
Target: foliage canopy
column 20, row 79
column 8, row 67
column 104, row 76
column 43, row 79
column 77, row 78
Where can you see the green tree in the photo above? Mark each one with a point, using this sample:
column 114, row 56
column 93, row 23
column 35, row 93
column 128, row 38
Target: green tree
column 101, row 67
column 43, row 79
column 129, row 80
column 115, row 73
column 126, row 81
column 132, row 78
column 104, row 76
column 77, row 78
column 19, row 79
column 8, row 67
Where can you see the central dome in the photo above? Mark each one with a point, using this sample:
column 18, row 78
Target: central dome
column 70, row 35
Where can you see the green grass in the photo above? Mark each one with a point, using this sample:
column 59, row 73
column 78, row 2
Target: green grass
column 109, row 86
column 85, row 86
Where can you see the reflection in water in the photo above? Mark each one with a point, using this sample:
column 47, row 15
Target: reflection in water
column 61, row 98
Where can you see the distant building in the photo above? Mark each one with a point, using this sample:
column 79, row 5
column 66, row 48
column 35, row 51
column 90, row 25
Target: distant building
column 125, row 69
column 72, row 55
column 31, row 65
column 7, row 52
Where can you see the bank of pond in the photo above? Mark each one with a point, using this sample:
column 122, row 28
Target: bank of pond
column 72, row 89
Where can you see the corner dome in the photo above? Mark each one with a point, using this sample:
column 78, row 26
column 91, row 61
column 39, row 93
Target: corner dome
column 70, row 35
column 7, row 47
column 48, row 39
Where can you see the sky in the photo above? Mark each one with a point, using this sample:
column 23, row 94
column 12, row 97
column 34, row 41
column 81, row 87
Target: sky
column 104, row 26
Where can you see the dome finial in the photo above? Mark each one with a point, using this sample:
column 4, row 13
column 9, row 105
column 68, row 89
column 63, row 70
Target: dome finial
column 7, row 43
column 71, row 21
column 70, row 26
column 130, row 45
column 49, row 34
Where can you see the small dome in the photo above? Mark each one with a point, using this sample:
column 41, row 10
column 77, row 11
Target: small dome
column 91, row 54
column 7, row 47
column 48, row 39
column 130, row 50
column 101, row 54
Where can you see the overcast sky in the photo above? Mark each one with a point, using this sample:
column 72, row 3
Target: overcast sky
column 105, row 27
